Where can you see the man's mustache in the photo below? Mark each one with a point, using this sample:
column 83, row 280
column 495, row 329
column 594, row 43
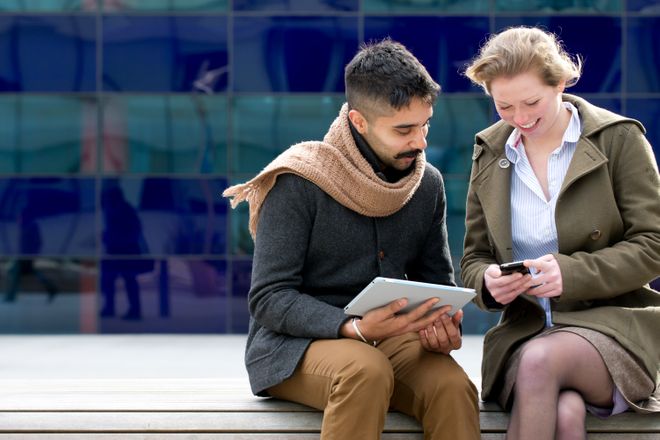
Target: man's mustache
column 410, row 154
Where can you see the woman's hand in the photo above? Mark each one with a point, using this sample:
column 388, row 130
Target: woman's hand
column 505, row 288
column 444, row 335
column 547, row 283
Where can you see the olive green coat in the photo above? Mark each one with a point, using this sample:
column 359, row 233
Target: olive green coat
column 608, row 227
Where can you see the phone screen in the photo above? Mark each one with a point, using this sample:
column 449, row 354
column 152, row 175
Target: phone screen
column 515, row 266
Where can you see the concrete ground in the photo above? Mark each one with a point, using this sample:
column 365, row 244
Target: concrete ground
column 148, row 356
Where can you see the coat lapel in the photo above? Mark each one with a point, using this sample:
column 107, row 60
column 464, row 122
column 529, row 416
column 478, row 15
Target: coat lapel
column 495, row 196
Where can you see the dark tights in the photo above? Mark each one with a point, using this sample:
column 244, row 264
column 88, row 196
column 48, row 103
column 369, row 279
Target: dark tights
column 557, row 374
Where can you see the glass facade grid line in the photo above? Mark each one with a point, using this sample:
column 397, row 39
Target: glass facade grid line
column 218, row 279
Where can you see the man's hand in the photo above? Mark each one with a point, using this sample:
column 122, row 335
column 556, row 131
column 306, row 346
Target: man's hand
column 384, row 322
column 444, row 335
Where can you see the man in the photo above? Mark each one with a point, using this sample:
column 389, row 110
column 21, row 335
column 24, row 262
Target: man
column 327, row 218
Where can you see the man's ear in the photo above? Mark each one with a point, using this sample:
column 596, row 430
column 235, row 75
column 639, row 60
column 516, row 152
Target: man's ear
column 358, row 120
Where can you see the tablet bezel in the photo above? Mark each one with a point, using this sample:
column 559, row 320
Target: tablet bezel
column 381, row 291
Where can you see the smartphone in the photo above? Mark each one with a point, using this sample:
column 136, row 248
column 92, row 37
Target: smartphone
column 515, row 266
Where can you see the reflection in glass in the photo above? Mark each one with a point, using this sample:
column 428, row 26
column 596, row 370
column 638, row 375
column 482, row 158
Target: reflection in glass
column 178, row 216
column 309, row 6
column 404, row 6
column 558, row 5
column 451, row 135
column 643, row 6
column 122, row 235
column 647, row 111
column 295, row 54
column 241, row 240
column 263, row 127
column 241, row 276
column 47, row 134
column 47, row 53
column 47, row 295
column 62, row 210
column 165, row 53
column 164, row 5
column 177, row 296
column 601, row 50
column 45, row 5
column 165, row 134
column 643, row 54
column 436, row 47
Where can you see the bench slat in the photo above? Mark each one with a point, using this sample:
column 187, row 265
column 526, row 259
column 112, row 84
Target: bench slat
column 271, row 422
column 201, row 405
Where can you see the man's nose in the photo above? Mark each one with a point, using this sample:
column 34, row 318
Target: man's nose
column 420, row 139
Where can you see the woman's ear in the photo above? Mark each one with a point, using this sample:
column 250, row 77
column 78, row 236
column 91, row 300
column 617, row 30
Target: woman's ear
column 561, row 86
column 358, row 120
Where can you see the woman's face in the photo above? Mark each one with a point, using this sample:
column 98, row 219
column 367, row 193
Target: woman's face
column 525, row 102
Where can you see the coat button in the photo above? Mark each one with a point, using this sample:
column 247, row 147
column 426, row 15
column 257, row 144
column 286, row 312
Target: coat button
column 381, row 255
column 595, row 234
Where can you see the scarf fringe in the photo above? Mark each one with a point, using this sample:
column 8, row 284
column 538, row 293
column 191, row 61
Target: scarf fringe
column 338, row 168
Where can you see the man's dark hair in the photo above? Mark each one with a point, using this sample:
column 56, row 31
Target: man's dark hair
column 384, row 76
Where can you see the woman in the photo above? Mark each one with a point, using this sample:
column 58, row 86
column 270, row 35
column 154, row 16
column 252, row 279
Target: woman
column 573, row 191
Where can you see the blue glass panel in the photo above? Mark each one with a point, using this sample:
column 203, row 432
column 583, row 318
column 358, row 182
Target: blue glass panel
column 647, row 111
column 263, row 127
column 567, row 6
column 164, row 5
column 455, row 6
column 185, row 53
column 477, row 321
column 174, row 216
column 47, row 134
column 433, row 41
column 313, row 6
column 643, row 46
column 240, row 315
column 47, row 216
column 172, row 296
column 456, row 188
column 47, row 5
column 47, row 53
column 296, row 54
column 451, row 135
column 47, row 295
column 597, row 39
column 165, row 134
column 611, row 104
column 644, row 6
column 241, row 241
column 656, row 284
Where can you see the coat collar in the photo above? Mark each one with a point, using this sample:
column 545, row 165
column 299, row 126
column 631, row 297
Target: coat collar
column 493, row 176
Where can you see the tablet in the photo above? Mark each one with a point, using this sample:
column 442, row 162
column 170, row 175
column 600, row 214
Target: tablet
column 382, row 291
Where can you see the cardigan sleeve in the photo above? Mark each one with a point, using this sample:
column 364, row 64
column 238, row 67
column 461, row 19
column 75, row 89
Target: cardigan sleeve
column 275, row 300
column 433, row 264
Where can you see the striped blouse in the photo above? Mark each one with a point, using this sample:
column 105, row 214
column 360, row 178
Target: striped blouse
column 533, row 227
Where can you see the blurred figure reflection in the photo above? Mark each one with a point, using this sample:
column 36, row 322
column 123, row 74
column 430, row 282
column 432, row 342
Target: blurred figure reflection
column 29, row 243
column 122, row 236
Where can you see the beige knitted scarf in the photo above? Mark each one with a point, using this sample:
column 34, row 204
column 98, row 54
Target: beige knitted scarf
column 339, row 169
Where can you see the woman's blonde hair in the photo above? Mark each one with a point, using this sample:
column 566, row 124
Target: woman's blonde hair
column 518, row 50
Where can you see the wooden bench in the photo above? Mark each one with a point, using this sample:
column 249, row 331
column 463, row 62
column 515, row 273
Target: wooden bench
column 203, row 409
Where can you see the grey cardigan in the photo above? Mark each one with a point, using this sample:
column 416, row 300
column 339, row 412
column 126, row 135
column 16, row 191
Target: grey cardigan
column 313, row 255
